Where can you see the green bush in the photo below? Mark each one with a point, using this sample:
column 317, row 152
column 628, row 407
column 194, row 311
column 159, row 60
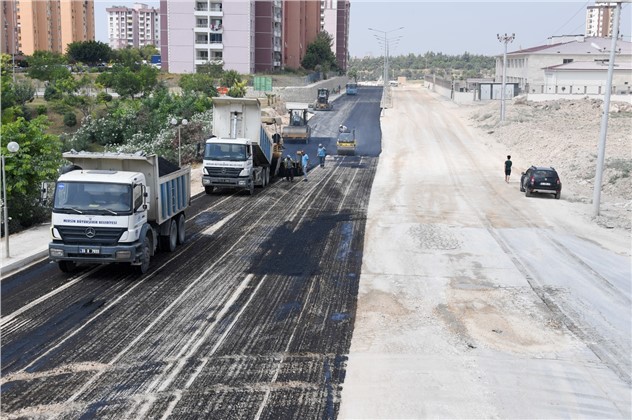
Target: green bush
column 51, row 93
column 104, row 97
column 70, row 119
column 41, row 109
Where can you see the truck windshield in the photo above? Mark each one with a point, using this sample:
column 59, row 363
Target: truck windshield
column 225, row 151
column 93, row 198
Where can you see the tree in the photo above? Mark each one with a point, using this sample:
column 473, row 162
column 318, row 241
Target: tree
column 237, row 90
column 230, row 78
column 48, row 66
column 147, row 51
column 213, row 70
column 37, row 160
column 319, row 53
column 88, row 52
column 8, row 97
column 128, row 57
column 198, row 82
column 130, row 81
column 353, row 73
column 24, row 92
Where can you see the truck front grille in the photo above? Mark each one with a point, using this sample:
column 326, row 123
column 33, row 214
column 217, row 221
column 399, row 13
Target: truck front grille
column 223, row 172
column 90, row 235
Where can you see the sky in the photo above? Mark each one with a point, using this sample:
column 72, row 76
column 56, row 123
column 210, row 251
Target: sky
column 449, row 27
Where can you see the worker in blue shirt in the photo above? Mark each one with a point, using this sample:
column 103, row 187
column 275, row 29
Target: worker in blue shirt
column 322, row 152
column 305, row 163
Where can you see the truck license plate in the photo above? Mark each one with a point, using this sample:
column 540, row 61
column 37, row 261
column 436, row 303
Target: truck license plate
column 89, row 250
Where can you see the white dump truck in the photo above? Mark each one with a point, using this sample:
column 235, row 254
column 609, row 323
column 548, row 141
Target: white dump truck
column 240, row 155
column 113, row 207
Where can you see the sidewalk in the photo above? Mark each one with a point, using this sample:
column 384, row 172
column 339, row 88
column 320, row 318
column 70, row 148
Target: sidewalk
column 24, row 248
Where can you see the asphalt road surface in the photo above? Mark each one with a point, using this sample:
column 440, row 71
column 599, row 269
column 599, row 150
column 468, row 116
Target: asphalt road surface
column 422, row 287
column 251, row 318
column 357, row 112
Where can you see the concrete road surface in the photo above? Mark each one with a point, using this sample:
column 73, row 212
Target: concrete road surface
column 475, row 301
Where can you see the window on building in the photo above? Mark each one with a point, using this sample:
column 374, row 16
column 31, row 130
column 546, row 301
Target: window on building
column 567, row 60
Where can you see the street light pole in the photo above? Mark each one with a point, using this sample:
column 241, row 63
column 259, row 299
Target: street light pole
column 504, row 39
column 12, row 147
column 184, row 121
column 384, row 33
column 606, row 111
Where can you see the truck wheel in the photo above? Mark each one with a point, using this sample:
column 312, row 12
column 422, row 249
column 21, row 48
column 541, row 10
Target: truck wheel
column 181, row 231
column 169, row 242
column 208, row 190
column 67, row 266
column 251, row 187
column 144, row 257
column 266, row 177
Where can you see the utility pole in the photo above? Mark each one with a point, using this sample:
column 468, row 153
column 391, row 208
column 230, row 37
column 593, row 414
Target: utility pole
column 606, row 110
column 505, row 39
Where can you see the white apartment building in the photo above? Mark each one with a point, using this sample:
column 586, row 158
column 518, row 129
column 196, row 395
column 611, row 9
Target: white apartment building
column 334, row 19
column 196, row 32
column 135, row 26
column 599, row 19
column 329, row 18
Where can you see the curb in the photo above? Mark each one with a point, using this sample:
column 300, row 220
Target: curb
column 15, row 266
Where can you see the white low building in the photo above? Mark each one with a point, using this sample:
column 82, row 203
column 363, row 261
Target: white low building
column 586, row 78
column 568, row 65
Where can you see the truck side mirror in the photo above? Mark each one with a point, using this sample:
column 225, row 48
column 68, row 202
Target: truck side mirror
column 44, row 192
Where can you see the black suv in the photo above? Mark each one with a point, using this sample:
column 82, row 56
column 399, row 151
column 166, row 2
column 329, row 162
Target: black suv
column 541, row 179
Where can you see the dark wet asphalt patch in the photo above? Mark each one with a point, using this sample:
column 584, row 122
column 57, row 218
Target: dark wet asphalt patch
column 337, row 316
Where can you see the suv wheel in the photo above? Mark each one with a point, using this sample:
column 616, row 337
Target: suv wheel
column 527, row 193
column 558, row 195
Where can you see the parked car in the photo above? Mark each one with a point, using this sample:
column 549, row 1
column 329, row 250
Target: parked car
column 541, row 179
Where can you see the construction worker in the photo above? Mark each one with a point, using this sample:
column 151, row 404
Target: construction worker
column 322, row 152
column 305, row 163
column 289, row 168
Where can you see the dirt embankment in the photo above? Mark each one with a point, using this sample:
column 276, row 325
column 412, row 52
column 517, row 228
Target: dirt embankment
column 565, row 134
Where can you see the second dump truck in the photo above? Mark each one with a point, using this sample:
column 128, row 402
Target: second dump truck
column 240, row 155
column 114, row 207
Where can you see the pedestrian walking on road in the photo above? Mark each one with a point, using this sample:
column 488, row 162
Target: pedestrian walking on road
column 507, row 168
column 322, row 152
column 289, row 168
column 305, row 163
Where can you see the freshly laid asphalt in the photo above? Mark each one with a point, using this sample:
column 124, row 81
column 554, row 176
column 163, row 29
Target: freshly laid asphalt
column 31, row 245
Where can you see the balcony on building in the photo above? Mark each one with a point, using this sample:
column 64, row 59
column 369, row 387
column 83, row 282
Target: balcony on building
column 201, row 6
column 201, row 42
